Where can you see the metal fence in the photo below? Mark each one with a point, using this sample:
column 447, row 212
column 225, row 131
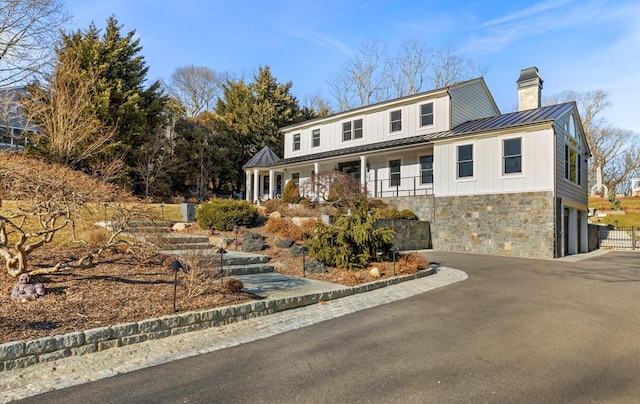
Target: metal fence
column 620, row 237
column 404, row 186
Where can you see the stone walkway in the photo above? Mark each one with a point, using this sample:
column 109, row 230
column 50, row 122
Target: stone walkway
column 49, row 376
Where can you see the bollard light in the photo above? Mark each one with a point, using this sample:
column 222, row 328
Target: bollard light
column 303, row 250
column 222, row 252
column 176, row 266
column 394, row 250
column 235, row 230
column 162, row 212
column 104, row 205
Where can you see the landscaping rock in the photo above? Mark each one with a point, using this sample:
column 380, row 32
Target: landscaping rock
column 375, row 272
column 252, row 242
column 181, row 226
column 315, row 267
column 276, row 215
column 284, row 243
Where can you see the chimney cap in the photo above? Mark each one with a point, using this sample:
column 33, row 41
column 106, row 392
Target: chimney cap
column 529, row 76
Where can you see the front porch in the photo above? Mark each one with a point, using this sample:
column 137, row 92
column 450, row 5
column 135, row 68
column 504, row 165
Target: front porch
column 402, row 173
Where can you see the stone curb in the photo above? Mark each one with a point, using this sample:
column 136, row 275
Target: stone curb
column 20, row 354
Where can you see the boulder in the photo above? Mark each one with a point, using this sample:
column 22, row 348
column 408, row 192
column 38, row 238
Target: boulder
column 375, row 272
column 276, row 215
column 181, row 226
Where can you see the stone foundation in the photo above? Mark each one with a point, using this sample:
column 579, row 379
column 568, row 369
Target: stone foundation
column 520, row 224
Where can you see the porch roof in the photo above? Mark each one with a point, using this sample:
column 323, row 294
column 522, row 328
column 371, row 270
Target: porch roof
column 264, row 158
column 478, row 126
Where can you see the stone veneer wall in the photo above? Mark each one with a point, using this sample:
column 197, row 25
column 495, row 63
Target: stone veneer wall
column 520, row 224
column 410, row 234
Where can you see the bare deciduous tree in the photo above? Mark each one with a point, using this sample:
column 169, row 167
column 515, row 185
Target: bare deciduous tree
column 28, row 31
column 47, row 198
column 197, row 88
column 615, row 150
column 449, row 68
column 408, row 69
column 70, row 134
column 361, row 79
column 333, row 187
column 371, row 75
column 154, row 159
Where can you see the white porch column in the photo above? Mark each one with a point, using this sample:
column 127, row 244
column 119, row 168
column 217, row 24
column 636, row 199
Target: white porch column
column 271, row 182
column 316, row 170
column 256, row 185
column 363, row 171
column 247, row 186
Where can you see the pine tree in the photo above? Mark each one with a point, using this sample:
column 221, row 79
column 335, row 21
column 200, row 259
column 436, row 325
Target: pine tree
column 119, row 97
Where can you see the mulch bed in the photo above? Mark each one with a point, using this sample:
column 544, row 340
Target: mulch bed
column 121, row 289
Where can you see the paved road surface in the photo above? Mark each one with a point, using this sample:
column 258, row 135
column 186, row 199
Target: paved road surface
column 516, row 331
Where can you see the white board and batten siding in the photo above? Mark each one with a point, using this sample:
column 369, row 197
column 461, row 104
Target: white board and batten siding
column 488, row 178
column 376, row 126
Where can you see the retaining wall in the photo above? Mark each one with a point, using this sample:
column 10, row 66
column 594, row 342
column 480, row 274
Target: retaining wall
column 520, row 224
column 19, row 354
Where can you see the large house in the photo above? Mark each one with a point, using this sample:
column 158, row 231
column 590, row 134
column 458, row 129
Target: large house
column 487, row 182
column 14, row 127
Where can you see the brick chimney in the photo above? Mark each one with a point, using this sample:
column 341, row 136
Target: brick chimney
column 529, row 89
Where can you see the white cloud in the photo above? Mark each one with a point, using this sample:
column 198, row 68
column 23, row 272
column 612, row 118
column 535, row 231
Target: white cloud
column 322, row 40
column 528, row 12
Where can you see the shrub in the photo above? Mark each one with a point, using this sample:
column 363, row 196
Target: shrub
column 270, row 206
column 223, row 214
column 291, row 193
column 395, row 214
column 233, row 285
column 288, row 229
column 95, row 237
column 412, row 262
column 252, row 242
column 352, row 242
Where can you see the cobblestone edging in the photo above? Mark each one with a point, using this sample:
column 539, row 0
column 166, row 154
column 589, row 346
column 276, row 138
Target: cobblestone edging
column 20, row 354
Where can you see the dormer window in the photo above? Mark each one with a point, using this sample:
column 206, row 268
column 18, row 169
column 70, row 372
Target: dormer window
column 395, row 120
column 352, row 130
column 426, row 114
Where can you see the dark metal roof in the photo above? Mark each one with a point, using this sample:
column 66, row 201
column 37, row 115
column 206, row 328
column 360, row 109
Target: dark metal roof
column 478, row 126
column 264, row 158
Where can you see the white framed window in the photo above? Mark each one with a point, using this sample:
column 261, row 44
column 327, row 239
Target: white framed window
column 394, row 172
column 295, row 177
column 352, row 130
column 426, row 170
column 426, row 114
column 512, row 156
column 296, row 142
column 395, row 121
column 315, row 138
column 572, row 163
column 464, row 161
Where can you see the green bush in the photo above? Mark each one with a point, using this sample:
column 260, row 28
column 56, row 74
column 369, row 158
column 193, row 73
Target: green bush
column 352, row 242
column 291, row 193
column 394, row 214
column 223, row 214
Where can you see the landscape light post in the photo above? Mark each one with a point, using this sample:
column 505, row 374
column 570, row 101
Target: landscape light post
column 394, row 250
column 221, row 251
column 162, row 212
column 303, row 250
column 176, row 266
column 235, row 230
column 104, row 205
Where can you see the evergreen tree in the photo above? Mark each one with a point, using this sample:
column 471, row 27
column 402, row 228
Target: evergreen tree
column 119, row 97
column 252, row 114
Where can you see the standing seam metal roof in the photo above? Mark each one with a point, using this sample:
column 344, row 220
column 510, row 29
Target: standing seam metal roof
column 500, row 122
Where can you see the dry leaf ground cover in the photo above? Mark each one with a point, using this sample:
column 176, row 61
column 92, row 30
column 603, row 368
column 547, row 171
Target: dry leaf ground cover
column 121, row 288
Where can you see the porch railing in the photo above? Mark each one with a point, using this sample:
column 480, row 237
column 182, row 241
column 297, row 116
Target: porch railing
column 404, row 186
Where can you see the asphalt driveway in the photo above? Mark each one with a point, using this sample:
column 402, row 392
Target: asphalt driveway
column 516, row 331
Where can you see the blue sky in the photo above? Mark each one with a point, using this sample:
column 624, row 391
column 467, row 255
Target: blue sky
column 579, row 45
